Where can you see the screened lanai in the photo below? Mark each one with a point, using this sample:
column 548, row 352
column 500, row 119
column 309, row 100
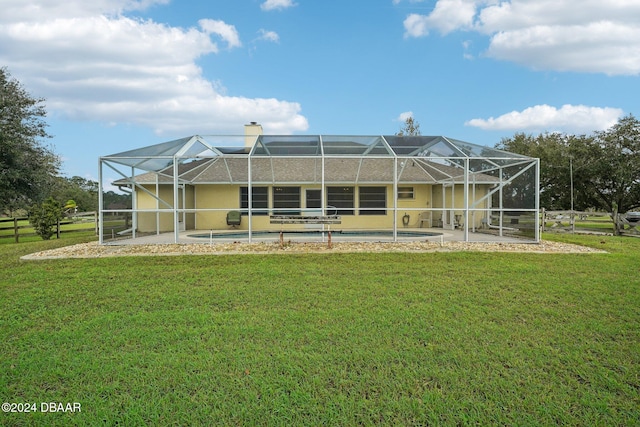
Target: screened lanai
column 382, row 183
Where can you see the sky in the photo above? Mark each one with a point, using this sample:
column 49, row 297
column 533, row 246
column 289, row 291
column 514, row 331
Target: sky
column 123, row 74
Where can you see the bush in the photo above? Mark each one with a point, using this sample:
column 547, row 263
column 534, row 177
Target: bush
column 43, row 218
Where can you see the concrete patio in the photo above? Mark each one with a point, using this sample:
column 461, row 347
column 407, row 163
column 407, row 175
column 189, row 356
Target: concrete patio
column 437, row 235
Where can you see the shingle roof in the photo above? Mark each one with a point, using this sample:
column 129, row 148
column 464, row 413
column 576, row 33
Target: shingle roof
column 301, row 159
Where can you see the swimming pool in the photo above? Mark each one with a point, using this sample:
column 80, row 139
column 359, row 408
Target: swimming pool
column 353, row 235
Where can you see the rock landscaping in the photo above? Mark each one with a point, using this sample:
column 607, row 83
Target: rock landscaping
column 95, row 250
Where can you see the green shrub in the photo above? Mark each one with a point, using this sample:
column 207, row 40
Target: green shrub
column 44, row 218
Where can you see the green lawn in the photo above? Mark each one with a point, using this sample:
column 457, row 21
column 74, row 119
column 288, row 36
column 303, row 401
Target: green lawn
column 324, row 339
column 602, row 224
column 26, row 233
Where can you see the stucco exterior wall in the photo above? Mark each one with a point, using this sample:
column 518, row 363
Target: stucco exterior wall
column 449, row 202
column 149, row 222
column 216, row 196
column 212, row 202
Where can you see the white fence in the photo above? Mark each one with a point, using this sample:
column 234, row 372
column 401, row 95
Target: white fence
column 587, row 222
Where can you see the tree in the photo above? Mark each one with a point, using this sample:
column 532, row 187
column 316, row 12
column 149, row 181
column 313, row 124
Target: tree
column 111, row 198
column 83, row 192
column 44, row 217
column 27, row 168
column 410, row 128
column 555, row 178
column 612, row 180
column 604, row 168
column 70, row 207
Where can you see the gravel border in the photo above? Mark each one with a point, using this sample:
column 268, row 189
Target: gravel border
column 95, row 250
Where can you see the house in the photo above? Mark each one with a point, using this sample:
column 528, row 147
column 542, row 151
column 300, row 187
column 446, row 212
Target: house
column 379, row 182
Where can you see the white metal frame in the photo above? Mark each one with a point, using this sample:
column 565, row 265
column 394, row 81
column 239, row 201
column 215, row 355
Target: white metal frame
column 136, row 161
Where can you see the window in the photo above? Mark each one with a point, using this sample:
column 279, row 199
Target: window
column 340, row 198
column 286, row 198
column 405, row 193
column 373, row 200
column 314, row 199
column 259, row 200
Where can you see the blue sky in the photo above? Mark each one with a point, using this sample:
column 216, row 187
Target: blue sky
column 122, row 74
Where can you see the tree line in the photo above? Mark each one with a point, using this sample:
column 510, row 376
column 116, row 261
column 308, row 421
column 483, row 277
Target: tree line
column 600, row 171
column 29, row 168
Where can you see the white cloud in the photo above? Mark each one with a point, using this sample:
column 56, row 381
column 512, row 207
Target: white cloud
column 93, row 63
column 404, row 116
column 270, row 36
column 570, row 35
column 447, row 16
column 466, row 45
column 575, row 119
column 39, row 10
column 598, row 47
column 226, row 31
column 277, row 4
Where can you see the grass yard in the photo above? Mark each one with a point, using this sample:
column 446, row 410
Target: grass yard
column 26, row 233
column 324, row 339
column 602, row 224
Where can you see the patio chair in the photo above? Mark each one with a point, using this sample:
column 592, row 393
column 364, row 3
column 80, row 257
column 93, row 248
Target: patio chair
column 234, row 218
column 426, row 217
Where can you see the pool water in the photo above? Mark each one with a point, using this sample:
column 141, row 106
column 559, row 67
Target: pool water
column 314, row 233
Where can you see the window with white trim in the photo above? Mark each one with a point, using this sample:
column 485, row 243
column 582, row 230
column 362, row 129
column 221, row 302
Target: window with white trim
column 405, row 193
